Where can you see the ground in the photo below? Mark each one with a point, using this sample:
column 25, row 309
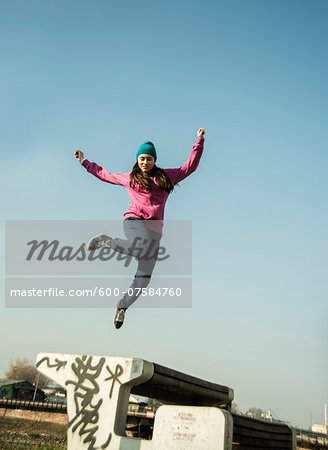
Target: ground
column 22, row 434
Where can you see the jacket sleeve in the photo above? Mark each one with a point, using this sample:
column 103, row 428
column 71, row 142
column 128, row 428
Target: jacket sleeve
column 190, row 166
column 104, row 175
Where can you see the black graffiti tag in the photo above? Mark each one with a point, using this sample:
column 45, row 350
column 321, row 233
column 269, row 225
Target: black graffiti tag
column 85, row 387
column 58, row 364
column 114, row 376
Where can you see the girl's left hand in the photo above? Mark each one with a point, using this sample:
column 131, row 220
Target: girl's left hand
column 200, row 133
column 79, row 155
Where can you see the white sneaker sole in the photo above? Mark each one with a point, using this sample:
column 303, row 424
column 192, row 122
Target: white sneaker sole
column 93, row 244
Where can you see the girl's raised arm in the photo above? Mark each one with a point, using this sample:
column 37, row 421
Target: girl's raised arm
column 191, row 165
column 101, row 172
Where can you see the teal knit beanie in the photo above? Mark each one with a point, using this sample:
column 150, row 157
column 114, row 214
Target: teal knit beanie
column 148, row 148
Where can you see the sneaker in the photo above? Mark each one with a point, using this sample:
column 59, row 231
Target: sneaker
column 100, row 241
column 119, row 317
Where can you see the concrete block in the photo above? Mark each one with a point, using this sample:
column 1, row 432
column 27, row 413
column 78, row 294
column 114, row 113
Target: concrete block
column 192, row 428
column 98, row 389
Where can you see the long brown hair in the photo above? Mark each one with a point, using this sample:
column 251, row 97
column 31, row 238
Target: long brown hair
column 137, row 176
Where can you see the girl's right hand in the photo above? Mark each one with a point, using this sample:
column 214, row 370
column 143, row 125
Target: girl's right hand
column 79, row 155
column 200, row 133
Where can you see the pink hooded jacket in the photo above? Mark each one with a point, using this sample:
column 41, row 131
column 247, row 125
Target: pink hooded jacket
column 148, row 205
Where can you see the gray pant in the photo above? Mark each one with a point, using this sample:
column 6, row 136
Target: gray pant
column 143, row 244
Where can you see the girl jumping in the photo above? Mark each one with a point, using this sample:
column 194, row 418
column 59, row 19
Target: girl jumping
column 148, row 187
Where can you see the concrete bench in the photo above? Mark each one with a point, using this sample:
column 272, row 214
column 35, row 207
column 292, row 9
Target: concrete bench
column 98, row 390
column 195, row 417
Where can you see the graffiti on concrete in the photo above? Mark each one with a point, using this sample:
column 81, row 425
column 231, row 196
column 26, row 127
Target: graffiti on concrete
column 86, row 387
column 114, row 376
column 58, row 364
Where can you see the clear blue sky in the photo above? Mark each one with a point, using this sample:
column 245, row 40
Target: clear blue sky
column 106, row 76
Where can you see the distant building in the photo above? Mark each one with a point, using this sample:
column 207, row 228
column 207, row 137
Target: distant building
column 323, row 429
column 319, row 429
column 19, row 390
column 53, row 388
column 136, row 405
